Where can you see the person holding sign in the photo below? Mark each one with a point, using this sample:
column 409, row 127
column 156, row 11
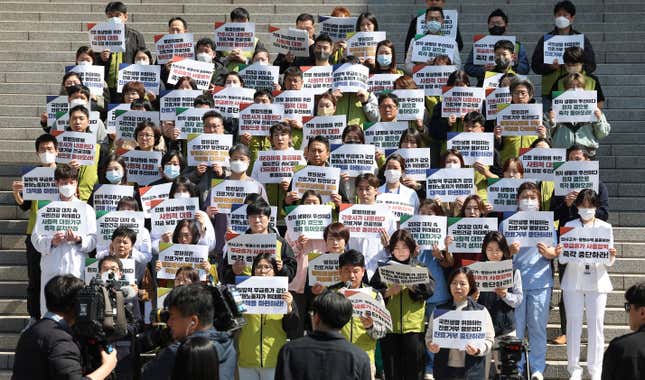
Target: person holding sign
column 434, row 19
column 385, row 59
column 172, row 165
column 585, row 287
column 468, row 363
column 336, row 239
column 358, row 107
column 498, row 26
column 64, row 251
column 263, row 335
column 413, row 30
column 393, row 171
column 473, row 207
column 402, row 349
column 564, row 13
column 586, row 134
column 304, row 21
column 234, row 58
column 85, row 57
column 574, row 59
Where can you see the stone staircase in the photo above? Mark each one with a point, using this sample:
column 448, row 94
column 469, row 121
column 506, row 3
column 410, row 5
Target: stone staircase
column 39, row 37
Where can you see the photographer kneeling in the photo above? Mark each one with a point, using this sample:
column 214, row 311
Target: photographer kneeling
column 47, row 350
column 191, row 314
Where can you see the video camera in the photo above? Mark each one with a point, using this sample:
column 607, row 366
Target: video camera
column 511, row 350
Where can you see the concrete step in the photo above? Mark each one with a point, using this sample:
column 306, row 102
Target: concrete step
column 16, row 307
column 559, row 352
column 13, row 257
column 615, row 298
column 12, row 242
column 611, row 332
column 13, row 273
column 613, row 317
column 8, row 341
column 13, row 289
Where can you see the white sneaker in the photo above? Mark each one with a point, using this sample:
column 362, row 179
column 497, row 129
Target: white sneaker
column 576, row 375
column 32, row 321
column 537, row 376
column 428, row 376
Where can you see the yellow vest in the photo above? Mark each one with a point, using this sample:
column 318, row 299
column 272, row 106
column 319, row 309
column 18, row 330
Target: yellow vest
column 260, row 340
column 355, row 333
column 407, row 315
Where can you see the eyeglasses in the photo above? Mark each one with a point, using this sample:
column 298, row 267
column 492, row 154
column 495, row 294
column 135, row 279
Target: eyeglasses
column 264, row 267
column 520, row 93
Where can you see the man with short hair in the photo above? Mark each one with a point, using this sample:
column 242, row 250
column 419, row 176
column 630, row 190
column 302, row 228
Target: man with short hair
column 305, row 21
column 324, row 354
column 191, row 314
column 48, row 350
column 625, row 356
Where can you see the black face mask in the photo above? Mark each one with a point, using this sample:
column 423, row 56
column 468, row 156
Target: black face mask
column 497, row 30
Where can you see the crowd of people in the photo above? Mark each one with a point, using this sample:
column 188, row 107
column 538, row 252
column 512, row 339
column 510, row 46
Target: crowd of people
column 318, row 336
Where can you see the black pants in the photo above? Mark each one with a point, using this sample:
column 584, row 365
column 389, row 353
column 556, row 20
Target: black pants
column 33, row 275
column 403, row 356
column 563, row 311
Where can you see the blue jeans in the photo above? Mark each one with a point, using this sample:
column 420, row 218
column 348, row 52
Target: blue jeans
column 533, row 314
column 429, row 355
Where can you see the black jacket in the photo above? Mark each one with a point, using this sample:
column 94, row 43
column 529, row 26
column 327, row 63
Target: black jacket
column 537, row 60
column 322, row 356
column 47, row 351
column 133, row 41
column 412, row 31
column 564, row 214
column 625, row 357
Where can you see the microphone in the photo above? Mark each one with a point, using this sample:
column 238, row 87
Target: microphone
column 128, row 292
column 348, row 284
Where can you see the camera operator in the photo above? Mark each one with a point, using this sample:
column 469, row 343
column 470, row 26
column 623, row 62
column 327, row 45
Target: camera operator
column 191, row 314
column 47, row 350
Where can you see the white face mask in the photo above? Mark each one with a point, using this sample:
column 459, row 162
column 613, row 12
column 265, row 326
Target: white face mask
column 142, row 62
column 239, row 166
column 84, row 63
column 392, row 175
column 529, row 204
column 452, row 165
column 77, row 102
column 586, row 214
column 47, row 157
column 115, row 20
column 204, row 57
column 562, row 22
column 67, row 191
column 182, row 195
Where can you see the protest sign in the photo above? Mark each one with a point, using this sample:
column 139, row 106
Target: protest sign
column 201, row 72
column 256, row 119
column 39, row 184
column 79, row 146
column 174, row 45
column 128, row 277
column 353, row 159
column 106, row 197
column 235, row 36
column 226, row 192
column 432, row 78
column 399, row 206
column 403, row 274
column 411, row 104
column 538, row 162
column 174, row 256
column 455, row 329
column 529, row 228
column 142, row 166
column 149, row 75
column 350, row 77
column 329, row 126
column 307, row 220
column 519, row 119
column 61, row 121
column 208, row 149
column 378, row 83
column 449, row 26
column 502, row 193
column 263, row 295
column 107, row 222
column 92, row 76
column 492, row 79
column 363, row 44
column 107, row 36
column 575, row 106
column 474, row 146
column 228, row 99
column 461, row 100
column 417, row 162
column 171, row 100
column 259, row 76
column 384, row 134
column 151, row 196
column 365, row 221
column 275, row 166
column 426, row 47
column 490, row 275
column 58, row 216
column 56, row 105
column 427, row 230
column 588, row 245
column 494, row 97
column 317, row 79
column 126, row 122
column 555, row 45
column 323, row 179
column 189, row 121
column 364, row 304
column 323, row 268
column 468, row 233
column 294, row 41
column 484, row 48
column 448, row 184
column 239, row 222
column 297, row 103
column 164, row 216
column 337, row 28
column 574, row 176
column 247, row 246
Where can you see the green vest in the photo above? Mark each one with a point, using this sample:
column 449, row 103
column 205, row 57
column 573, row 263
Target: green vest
column 549, row 79
column 512, row 146
column 260, row 340
column 352, row 108
column 590, row 83
column 407, row 315
column 355, row 333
